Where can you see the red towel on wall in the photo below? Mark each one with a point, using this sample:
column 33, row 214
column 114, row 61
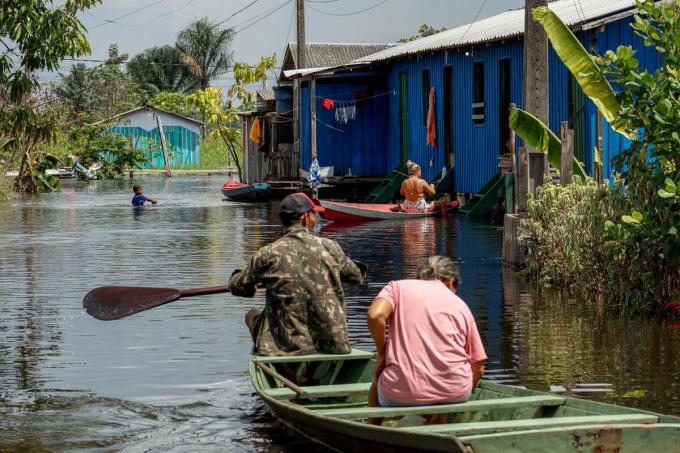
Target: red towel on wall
column 431, row 122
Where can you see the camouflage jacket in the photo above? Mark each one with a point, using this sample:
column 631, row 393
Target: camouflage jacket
column 305, row 310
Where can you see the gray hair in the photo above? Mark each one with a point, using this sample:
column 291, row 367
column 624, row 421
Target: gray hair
column 438, row 268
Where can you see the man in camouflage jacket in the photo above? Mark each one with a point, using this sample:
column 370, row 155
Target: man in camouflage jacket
column 305, row 311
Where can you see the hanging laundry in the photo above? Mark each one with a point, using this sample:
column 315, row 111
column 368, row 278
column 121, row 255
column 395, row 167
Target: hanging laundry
column 431, row 121
column 256, row 131
column 328, row 104
column 345, row 112
column 351, row 111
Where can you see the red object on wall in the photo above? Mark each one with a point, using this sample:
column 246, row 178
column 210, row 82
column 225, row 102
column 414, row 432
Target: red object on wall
column 431, row 122
column 328, row 104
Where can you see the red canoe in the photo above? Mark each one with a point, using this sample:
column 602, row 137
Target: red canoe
column 353, row 212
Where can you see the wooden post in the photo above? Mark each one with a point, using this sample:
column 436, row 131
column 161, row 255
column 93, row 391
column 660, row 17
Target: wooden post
column 599, row 175
column 132, row 146
column 296, row 126
column 522, row 182
column 312, row 106
column 165, row 149
column 567, row 157
column 513, row 163
column 301, row 43
column 536, row 85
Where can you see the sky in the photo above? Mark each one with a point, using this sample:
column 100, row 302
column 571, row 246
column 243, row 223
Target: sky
column 141, row 24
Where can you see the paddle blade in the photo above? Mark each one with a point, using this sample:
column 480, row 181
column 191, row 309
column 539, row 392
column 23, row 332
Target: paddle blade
column 114, row 302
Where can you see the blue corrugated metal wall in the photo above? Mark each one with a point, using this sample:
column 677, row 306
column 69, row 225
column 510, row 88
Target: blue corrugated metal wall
column 360, row 144
column 476, row 147
column 183, row 144
column 371, row 146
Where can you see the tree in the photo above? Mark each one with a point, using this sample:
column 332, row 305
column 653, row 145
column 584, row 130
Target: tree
column 638, row 234
column 36, row 37
column 159, row 69
column 220, row 116
column 174, row 102
column 423, row 31
column 206, row 52
column 102, row 91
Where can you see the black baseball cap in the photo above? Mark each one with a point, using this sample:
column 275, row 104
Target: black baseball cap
column 296, row 204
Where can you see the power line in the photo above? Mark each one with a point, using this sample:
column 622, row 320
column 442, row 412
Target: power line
column 347, row 14
column 127, row 14
column 473, row 21
column 94, row 60
column 237, row 12
column 269, row 13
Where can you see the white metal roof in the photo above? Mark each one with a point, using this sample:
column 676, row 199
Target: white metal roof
column 504, row 25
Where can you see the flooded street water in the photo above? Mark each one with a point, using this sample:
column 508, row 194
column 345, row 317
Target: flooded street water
column 175, row 378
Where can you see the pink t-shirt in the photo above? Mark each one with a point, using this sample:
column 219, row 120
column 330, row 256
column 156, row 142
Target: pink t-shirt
column 432, row 341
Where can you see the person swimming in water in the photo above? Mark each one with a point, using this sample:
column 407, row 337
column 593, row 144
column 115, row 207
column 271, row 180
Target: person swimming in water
column 139, row 199
column 414, row 189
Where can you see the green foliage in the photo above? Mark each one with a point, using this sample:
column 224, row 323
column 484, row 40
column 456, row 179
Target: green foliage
column 215, row 154
column 423, row 31
column 574, row 242
column 95, row 144
column 102, row 91
column 244, row 75
column 158, row 69
column 205, row 51
column 583, row 68
column 174, row 102
column 36, row 36
column 539, row 136
column 629, row 243
column 220, row 116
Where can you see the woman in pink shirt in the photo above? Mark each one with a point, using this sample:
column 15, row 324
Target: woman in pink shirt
column 433, row 354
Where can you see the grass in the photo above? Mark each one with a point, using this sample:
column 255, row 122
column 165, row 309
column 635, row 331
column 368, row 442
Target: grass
column 6, row 187
column 213, row 155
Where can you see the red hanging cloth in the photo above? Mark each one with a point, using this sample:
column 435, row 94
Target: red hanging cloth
column 431, row 121
column 328, row 104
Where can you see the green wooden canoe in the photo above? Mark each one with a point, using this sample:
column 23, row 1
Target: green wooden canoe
column 332, row 410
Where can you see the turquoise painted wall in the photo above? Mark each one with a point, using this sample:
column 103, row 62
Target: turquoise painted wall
column 183, row 144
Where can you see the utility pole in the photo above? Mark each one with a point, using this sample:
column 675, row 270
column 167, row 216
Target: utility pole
column 535, row 90
column 301, row 63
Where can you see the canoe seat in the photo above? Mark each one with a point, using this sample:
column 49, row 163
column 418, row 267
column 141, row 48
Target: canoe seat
column 320, row 391
column 355, row 413
column 465, row 429
column 356, row 354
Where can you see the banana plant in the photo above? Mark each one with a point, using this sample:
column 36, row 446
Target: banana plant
column 539, row 136
column 580, row 63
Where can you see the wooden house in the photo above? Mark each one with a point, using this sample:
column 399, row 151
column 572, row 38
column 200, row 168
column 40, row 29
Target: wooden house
column 477, row 72
column 140, row 126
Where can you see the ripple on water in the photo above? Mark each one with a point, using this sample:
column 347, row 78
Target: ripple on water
column 174, row 378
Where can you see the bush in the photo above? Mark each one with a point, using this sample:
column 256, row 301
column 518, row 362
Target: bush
column 213, row 155
column 573, row 242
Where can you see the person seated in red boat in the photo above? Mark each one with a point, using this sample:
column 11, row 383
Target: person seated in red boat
column 433, row 354
column 414, row 189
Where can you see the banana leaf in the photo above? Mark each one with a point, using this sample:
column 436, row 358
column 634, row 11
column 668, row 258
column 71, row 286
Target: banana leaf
column 539, row 136
column 581, row 65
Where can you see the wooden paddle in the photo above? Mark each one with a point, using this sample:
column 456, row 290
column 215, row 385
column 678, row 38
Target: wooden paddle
column 114, row 302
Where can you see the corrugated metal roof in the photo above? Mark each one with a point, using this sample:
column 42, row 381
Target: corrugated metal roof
column 148, row 107
column 266, row 94
column 324, row 54
column 504, row 25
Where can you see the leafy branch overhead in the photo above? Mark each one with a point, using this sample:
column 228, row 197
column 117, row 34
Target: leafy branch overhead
column 583, row 67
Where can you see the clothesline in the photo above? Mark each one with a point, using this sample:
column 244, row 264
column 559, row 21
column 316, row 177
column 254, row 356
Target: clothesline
column 356, row 100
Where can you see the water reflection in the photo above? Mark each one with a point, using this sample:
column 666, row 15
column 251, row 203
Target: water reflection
column 174, row 379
